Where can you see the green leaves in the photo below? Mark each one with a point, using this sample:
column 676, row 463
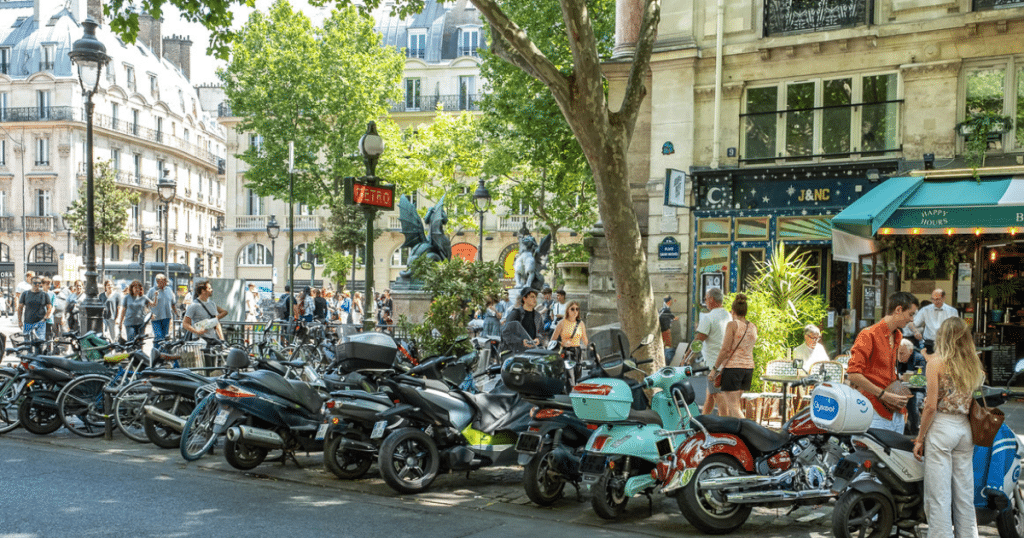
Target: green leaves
column 111, row 203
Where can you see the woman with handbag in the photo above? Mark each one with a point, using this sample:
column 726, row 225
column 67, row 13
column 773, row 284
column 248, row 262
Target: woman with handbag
column 945, row 441
column 733, row 370
column 571, row 332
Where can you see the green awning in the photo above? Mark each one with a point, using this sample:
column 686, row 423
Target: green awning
column 865, row 216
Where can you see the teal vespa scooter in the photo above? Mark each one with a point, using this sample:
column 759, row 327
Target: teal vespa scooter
column 629, row 443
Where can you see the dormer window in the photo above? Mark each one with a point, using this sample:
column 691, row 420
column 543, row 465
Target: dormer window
column 417, row 44
column 469, row 41
column 5, row 61
column 154, row 90
column 46, row 59
column 129, row 72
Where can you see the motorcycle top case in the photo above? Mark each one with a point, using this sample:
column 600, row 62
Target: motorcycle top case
column 839, row 408
column 535, row 372
column 366, row 351
column 602, row 400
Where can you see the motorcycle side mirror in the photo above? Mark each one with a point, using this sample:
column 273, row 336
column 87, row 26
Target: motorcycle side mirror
column 552, row 345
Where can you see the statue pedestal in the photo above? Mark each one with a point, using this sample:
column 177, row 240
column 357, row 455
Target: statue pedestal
column 576, row 277
column 413, row 304
column 603, row 307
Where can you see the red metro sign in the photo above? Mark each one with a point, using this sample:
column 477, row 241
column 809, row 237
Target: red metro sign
column 381, row 196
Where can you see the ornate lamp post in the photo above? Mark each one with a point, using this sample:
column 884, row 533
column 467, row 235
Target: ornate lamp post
column 371, row 145
column 167, row 188
column 90, row 55
column 482, row 201
column 273, row 230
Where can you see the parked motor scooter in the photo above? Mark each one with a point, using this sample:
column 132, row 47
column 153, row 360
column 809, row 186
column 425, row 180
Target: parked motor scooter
column 628, row 444
column 881, row 484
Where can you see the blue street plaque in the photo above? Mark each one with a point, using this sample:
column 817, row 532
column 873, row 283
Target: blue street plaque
column 668, row 249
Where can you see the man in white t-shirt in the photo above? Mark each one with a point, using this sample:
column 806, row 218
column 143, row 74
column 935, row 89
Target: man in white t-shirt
column 930, row 317
column 811, row 351
column 711, row 331
column 558, row 308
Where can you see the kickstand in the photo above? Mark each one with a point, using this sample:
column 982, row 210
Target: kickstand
column 579, row 492
column 906, row 533
column 290, row 454
column 650, row 504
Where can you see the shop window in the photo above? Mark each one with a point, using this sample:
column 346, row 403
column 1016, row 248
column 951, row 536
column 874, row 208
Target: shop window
column 791, row 228
column 752, row 229
column 998, row 88
column 749, row 265
column 713, row 259
column 714, row 229
column 820, row 119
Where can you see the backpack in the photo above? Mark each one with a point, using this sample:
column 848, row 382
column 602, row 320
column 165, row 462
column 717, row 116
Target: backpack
column 284, row 306
column 665, row 319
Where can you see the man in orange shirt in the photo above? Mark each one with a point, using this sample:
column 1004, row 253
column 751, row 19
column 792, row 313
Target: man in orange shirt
column 873, row 362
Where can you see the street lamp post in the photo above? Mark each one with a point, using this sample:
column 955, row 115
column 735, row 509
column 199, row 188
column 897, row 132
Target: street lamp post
column 273, row 229
column 90, row 55
column 167, row 188
column 371, row 145
column 482, row 201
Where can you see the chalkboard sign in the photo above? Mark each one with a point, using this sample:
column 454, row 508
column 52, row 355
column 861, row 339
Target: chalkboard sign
column 868, row 305
column 1004, row 357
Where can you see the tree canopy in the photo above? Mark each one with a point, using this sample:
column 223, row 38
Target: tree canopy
column 110, row 203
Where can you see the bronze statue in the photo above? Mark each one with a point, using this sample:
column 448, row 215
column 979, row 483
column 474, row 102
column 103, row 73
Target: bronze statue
column 530, row 260
column 435, row 245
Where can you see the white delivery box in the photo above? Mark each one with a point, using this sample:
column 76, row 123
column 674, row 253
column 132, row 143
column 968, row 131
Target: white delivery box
column 840, row 408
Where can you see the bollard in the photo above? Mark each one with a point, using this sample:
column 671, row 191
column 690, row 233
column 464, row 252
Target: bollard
column 108, row 425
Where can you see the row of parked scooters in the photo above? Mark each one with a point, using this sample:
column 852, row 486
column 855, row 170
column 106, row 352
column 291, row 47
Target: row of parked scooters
column 571, row 420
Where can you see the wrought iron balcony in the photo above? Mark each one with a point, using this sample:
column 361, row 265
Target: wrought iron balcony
column 223, row 110
column 39, row 224
column 38, row 113
column 428, row 103
column 984, row 5
column 782, row 17
column 416, row 53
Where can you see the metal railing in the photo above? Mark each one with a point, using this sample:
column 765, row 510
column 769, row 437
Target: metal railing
column 416, row 53
column 983, row 5
column 37, row 113
column 428, row 103
column 783, row 17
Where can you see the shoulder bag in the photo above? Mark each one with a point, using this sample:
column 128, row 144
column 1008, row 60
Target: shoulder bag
column 985, row 422
column 718, row 378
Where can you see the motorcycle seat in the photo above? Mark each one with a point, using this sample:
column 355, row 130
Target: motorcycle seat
column 306, row 395
column 81, row 367
column 363, row 395
column 178, row 373
column 717, row 424
column 647, row 416
column 759, row 438
column 295, row 391
column 892, row 439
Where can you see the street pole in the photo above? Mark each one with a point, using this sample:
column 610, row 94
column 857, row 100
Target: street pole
column 368, row 322
column 291, row 217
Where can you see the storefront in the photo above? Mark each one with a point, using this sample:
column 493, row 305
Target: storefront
column 958, row 234
column 741, row 213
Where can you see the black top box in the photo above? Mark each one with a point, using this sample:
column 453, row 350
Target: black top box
column 366, row 351
column 535, row 372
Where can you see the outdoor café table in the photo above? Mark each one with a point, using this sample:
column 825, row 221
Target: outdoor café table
column 785, row 381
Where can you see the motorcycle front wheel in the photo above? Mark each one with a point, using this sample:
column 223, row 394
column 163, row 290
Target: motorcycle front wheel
column 608, row 495
column 197, row 437
column 1011, row 522
column 708, row 510
column 864, row 515
column 243, row 456
column 543, row 483
column 345, row 464
column 408, row 461
column 163, row 435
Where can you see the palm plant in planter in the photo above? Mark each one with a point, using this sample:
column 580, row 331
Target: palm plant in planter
column 976, row 131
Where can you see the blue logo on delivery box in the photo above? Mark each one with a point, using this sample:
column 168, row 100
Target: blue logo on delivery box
column 824, row 408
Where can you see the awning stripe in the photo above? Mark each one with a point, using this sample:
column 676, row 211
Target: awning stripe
column 1014, row 194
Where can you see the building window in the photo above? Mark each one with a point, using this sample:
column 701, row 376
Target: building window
column 137, row 165
column 154, row 89
column 253, row 203
column 160, row 170
column 3, row 152
column 42, row 253
column 115, row 160
column 133, row 218
column 159, row 129
column 752, row 229
column 4, row 210
column 714, row 229
column 129, row 73
column 822, row 118
column 113, row 116
column 136, row 250
column 3, row 106
column 400, row 257
column 46, row 59
column 43, row 101
column 5, row 61
column 467, row 93
column 750, row 261
column 42, row 151
column 998, row 88
column 135, row 122
column 304, row 253
column 417, row 44
column 256, row 143
column 186, row 135
column 255, row 254
column 469, row 41
column 159, row 254
column 42, row 202
column 412, row 94
column 115, row 252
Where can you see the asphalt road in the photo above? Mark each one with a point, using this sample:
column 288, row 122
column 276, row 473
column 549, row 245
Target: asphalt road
column 48, row 491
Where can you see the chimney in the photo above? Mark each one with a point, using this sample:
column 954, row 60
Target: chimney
column 178, row 51
column 42, row 10
column 149, row 33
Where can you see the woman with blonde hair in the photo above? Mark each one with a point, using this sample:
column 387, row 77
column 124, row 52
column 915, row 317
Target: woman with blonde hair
column 735, row 362
column 953, row 374
column 571, row 332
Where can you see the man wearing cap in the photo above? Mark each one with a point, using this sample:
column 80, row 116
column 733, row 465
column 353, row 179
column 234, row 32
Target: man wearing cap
column 34, row 307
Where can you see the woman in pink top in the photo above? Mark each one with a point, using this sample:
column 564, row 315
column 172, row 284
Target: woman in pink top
column 735, row 363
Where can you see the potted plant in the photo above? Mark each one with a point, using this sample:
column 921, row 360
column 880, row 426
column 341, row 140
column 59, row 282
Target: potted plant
column 976, row 130
column 1001, row 294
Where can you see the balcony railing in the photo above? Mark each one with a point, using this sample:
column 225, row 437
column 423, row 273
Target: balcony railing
column 223, row 110
column 512, row 223
column 7, row 224
column 251, row 222
column 983, row 5
column 783, row 17
column 416, row 53
column 426, row 103
column 188, row 238
column 39, row 224
column 468, row 51
column 259, row 222
column 5, row 68
column 46, row 66
column 36, row 113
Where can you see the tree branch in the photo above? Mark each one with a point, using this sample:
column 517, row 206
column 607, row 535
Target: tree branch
column 511, row 43
column 636, row 88
column 588, row 78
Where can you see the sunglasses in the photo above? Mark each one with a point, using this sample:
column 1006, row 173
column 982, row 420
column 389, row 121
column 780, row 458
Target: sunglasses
column 574, row 309
column 36, row 282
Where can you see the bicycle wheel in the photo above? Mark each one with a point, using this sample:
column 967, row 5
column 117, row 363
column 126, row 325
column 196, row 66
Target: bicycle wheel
column 128, row 414
column 10, row 398
column 197, row 438
column 80, row 405
column 306, row 353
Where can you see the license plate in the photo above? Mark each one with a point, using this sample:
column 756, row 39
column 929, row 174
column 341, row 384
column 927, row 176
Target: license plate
column 222, row 417
column 592, row 464
column 378, row 429
column 528, row 443
column 846, row 469
column 322, row 431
